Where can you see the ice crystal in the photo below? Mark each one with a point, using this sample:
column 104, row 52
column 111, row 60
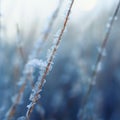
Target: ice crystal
column 99, row 67
column 21, row 118
column 102, row 51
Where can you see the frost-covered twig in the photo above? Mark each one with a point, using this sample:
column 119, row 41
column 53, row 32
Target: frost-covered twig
column 42, row 40
column 39, row 84
column 35, row 51
column 98, row 63
column 19, row 42
column 12, row 110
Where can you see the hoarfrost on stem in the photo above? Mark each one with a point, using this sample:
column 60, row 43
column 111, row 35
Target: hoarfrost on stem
column 21, row 118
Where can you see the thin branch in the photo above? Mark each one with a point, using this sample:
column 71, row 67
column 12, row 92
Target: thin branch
column 99, row 61
column 41, row 83
column 19, row 43
column 24, row 79
column 41, row 42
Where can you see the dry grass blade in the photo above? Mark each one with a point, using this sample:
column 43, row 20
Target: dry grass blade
column 47, row 32
column 99, row 61
column 12, row 109
column 19, row 44
column 36, row 98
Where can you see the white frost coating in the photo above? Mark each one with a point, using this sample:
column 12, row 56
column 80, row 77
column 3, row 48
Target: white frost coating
column 21, row 82
column 66, row 9
column 29, row 106
column 27, row 70
column 37, row 46
column 36, row 90
column 99, row 67
column 102, row 51
column 49, row 53
column 108, row 25
column 21, row 118
column 33, row 63
column 57, row 34
column 42, row 66
column 35, row 95
column 116, row 18
column 36, row 63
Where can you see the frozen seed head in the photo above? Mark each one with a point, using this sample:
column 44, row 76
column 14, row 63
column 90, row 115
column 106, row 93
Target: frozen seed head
column 66, row 9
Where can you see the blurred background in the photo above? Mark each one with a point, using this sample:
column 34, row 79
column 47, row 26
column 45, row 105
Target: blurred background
column 24, row 22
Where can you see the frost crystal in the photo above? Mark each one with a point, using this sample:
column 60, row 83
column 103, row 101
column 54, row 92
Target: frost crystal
column 57, row 34
column 116, row 18
column 102, row 51
column 38, row 44
column 36, row 63
column 66, row 9
column 99, row 67
column 21, row 118
column 108, row 25
column 29, row 106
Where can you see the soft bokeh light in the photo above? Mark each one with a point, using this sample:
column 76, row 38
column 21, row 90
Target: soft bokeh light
column 87, row 5
column 80, row 50
column 24, row 13
column 27, row 12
